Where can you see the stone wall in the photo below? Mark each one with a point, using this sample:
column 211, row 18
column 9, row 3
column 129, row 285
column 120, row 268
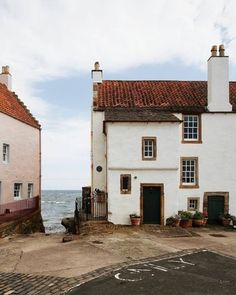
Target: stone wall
column 26, row 225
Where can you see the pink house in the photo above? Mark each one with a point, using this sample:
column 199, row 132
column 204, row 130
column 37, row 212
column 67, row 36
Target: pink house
column 20, row 154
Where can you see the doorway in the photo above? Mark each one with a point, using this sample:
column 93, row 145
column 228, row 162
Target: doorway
column 152, row 203
column 215, row 209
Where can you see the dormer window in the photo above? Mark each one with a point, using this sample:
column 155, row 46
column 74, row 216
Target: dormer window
column 191, row 129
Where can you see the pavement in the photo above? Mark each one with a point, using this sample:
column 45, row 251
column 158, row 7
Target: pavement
column 45, row 265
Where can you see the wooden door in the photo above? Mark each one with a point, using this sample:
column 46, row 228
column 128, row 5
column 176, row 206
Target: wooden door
column 152, row 204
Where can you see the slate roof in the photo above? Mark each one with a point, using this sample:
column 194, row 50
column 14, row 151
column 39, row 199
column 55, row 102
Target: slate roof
column 138, row 115
column 12, row 106
column 163, row 95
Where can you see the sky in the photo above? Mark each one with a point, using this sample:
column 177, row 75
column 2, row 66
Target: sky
column 51, row 47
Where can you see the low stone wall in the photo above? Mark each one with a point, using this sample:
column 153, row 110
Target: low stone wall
column 31, row 223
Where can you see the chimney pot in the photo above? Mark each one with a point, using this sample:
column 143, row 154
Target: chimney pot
column 222, row 50
column 214, row 50
column 5, row 76
column 96, row 66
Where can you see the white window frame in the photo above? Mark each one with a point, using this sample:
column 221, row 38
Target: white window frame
column 17, row 190
column 149, row 148
column 5, row 153
column 30, row 190
column 191, row 126
column 189, row 172
column 195, row 201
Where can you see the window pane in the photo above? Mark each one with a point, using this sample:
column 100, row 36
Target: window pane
column 191, row 126
column 188, row 171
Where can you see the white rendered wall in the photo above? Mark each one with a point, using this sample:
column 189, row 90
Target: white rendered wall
column 216, row 157
column 124, row 154
column 24, row 162
column 98, row 153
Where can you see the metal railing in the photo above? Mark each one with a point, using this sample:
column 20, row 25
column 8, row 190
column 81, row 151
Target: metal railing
column 20, row 205
column 94, row 206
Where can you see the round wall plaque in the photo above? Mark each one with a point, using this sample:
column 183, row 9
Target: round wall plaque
column 99, row 168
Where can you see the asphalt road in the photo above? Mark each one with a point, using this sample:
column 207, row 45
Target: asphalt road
column 194, row 274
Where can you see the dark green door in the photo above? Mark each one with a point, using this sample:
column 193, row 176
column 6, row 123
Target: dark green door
column 215, row 208
column 152, row 204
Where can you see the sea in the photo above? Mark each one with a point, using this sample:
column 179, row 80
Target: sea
column 58, row 204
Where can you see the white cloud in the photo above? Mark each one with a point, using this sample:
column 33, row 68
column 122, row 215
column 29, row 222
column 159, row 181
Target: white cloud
column 43, row 40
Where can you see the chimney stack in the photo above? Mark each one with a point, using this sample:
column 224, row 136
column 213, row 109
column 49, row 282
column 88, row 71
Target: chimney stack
column 5, row 77
column 97, row 73
column 218, row 81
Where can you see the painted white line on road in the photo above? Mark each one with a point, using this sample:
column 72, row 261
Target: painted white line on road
column 117, row 276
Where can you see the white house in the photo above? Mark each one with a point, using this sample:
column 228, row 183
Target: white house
column 163, row 146
column 20, row 159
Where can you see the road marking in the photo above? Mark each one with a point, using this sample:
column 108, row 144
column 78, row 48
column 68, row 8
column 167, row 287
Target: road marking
column 138, row 269
column 181, row 261
column 117, row 276
column 158, row 267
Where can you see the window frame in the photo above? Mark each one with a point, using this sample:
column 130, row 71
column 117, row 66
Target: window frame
column 122, row 190
column 194, row 184
column 5, row 154
column 199, row 129
column 154, row 156
column 31, row 191
column 20, row 190
column 193, row 199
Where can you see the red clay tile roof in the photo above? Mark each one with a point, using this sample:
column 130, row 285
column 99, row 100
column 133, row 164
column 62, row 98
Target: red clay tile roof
column 12, row 106
column 163, row 95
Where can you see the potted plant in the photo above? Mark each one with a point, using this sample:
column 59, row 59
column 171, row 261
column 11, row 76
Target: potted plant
column 198, row 219
column 185, row 219
column 226, row 219
column 173, row 220
column 135, row 219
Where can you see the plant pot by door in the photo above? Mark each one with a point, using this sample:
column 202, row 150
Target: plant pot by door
column 186, row 223
column 198, row 222
column 135, row 221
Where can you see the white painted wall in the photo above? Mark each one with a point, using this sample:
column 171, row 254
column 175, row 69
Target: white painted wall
column 24, row 162
column 124, row 155
column 216, row 154
column 98, row 153
column 217, row 159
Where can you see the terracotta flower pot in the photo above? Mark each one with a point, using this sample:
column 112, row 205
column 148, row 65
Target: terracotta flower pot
column 135, row 221
column 186, row 223
column 198, row 222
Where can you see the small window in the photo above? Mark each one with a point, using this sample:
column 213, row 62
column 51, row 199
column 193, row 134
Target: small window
column 149, row 148
column 125, row 184
column 193, row 204
column 191, row 128
column 189, row 172
column 17, row 190
column 5, row 153
column 30, row 190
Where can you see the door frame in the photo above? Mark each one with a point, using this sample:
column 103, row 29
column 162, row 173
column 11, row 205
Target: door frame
column 161, row 185
column 221, row 194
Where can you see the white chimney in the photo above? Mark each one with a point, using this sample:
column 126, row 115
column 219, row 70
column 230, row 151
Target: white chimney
column 97, row 73
column 218, row 81
column 5, row 77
